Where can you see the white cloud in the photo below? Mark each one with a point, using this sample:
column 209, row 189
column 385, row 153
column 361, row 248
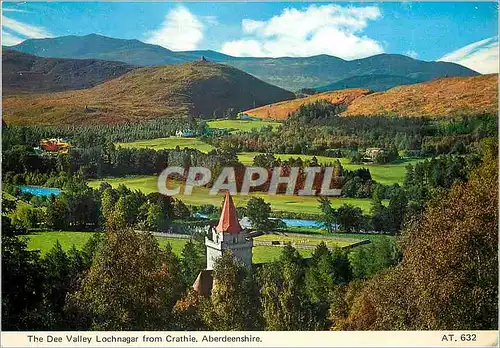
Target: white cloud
column 9, row 39
column 181, row 30
column 327, row 29
column 212, row 20
column 412, row 54
column 481, row 56
column 25, row 30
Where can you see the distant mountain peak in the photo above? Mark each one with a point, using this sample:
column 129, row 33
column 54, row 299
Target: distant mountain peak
column 292, row 73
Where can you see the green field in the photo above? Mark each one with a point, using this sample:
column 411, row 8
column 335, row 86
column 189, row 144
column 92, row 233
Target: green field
column 306, row 240
column 241, row 125
column 385, row 174
column 316, row 231
column 168, row 143
column 44, row 241
column 262, row 254
column 296, row 204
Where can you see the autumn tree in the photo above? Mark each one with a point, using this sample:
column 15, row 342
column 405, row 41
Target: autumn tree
column 132, row 284
column 258, row 212
column 188, row 312
column 448, row 279
column 234, row 299
column 285, row 303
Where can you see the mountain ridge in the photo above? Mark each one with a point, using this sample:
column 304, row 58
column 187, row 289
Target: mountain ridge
column 291, row 73
column 27, row 73
column 375, row 83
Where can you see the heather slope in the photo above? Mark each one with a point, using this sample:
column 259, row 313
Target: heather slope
column 453, row 96
column 281, row 110
column 442, row 97
column 191, row 89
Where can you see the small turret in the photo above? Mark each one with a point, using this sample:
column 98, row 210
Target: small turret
column 228, row 221
column 229, row 236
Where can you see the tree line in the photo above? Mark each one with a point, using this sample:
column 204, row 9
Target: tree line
column 79, row 207
column 22, row 166
column 123, row 280
column 317, row 129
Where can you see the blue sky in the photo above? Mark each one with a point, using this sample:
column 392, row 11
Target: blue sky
column 463, row 32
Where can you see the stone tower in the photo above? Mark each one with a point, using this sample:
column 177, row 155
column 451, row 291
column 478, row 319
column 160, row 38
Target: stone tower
column 228, row 235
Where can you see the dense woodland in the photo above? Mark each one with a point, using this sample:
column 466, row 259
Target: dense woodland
column 317, row 129
column 94, row 154
column 122, row 280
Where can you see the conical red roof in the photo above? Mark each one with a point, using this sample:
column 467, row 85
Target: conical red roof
column 228, row 220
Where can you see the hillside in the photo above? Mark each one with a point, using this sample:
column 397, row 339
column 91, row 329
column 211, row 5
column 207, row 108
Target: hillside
column 442, row 97
column 198, row 89
column 26, row 73
column 281, row 110
column 288, row 73
column 375, row 83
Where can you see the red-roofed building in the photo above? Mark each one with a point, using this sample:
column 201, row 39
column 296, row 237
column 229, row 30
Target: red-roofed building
column 228, row 235
column 228, row 221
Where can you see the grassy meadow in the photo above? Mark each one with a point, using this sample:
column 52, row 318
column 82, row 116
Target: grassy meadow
column 44, row 241
column 168, row 143
column 200, row 196
column 387, row 174
column 384, row 173
column 241, row 125
column 306, row 240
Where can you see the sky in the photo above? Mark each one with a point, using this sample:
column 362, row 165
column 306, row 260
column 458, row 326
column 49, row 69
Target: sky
column 462, row 32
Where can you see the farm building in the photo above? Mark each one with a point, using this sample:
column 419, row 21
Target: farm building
column 55, row 145
column 185, row 133
column 372, row 152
